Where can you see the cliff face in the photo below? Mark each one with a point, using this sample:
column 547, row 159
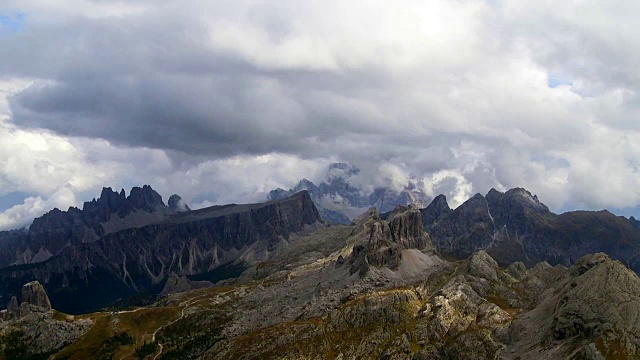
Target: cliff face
column 401, row 230
column 515, row 226
column 55, row 230
column 88, row 276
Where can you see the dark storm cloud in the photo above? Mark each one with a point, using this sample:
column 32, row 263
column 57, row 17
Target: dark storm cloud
column 453, row 92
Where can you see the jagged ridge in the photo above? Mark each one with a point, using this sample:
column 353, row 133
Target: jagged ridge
column 88, row 276
column 516, row 226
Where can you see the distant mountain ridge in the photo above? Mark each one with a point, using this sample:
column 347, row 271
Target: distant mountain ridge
column 138, row 260
column 516, row 226
column 339, row 201
column 55, row 230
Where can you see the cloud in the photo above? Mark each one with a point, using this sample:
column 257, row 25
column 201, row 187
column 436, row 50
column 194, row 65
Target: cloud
column 22, row 214
column 224, row 100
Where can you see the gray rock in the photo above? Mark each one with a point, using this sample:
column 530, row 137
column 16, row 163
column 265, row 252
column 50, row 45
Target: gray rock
column 176, row 284
column 517, row 270
column 482, row 265
column 33, row 293
column 402, row 230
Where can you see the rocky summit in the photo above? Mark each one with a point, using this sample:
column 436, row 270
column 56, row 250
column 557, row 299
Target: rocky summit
column 499, row 277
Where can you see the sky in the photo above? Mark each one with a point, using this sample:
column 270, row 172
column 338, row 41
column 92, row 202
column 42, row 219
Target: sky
column 222, row 101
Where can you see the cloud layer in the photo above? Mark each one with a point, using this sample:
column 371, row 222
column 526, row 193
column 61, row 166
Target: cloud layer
column 223, row 101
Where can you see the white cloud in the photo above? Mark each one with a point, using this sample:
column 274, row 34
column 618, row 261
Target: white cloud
column 223, row 101
column 22, row 214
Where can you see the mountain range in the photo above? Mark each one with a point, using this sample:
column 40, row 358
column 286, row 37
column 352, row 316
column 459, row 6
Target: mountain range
column 500, row 276
column 516, row 226
column 142, row 242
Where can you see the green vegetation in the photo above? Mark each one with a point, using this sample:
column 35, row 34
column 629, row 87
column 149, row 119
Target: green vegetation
column 192, row 336
column 113, row 343
column 146, row 349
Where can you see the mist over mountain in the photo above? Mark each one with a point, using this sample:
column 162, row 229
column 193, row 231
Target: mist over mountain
column 340, row 197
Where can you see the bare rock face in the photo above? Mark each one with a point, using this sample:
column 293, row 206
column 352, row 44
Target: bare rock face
column 437, row 209
column 54, row 231
column 590, row 312
column 602, row 302
column 126, row 262
column 34, row 300
column 13, row 308
column 33, row 293
column 483, row 266
column 401, row 230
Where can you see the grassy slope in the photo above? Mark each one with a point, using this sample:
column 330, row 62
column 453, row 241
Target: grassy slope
column 141, row 324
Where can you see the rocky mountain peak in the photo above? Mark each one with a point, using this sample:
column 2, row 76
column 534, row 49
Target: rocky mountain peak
column 437, row 208
column 524, row 199
column 111, row 212
column 34, row 298
column 602, row 301
column 111, row 199
column 494, row 197
column 406, row 227
column 145, row 198
column 477, row 206
column 176, row 203
column 33, row 293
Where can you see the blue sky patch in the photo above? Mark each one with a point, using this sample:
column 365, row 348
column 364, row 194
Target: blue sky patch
column 11, row 199
column 554, row 82
column 11, row 22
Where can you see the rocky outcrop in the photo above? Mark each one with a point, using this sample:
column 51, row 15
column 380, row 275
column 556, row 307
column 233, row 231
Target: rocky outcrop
column 33, row 293
column 402, row 230
column 590, row 311
column 517, row 270
column 177, row 284
column 34, row 299
column 89, row 276
column 483, row 266
column 35, row 325
column 516, row 226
